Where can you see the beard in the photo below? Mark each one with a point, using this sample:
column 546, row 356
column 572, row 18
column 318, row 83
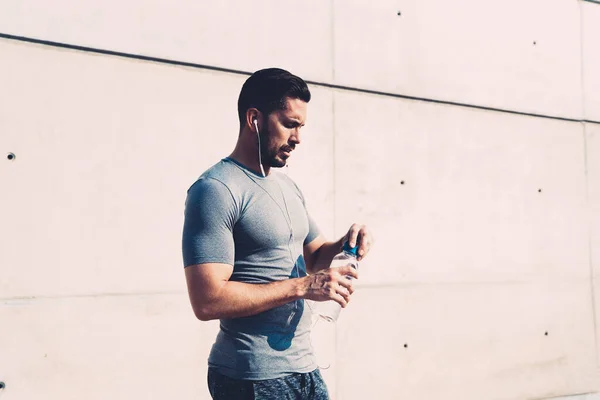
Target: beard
column 270, row 154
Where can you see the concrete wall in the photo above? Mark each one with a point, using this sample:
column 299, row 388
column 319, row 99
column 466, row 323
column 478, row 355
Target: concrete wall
column 482, row 282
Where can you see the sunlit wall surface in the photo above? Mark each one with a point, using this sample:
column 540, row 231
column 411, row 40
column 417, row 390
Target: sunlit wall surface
column 465, row 134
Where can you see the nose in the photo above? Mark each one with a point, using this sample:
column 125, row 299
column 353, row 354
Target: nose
column 295, row 137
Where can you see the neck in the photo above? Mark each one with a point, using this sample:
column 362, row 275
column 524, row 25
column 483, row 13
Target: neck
column 246, row 153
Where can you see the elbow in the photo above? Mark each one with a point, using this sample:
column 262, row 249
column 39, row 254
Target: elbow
column 204, row 313
column 204, row 317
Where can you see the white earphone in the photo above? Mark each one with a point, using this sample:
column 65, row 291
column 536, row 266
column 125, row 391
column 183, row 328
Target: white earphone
column 255, row 120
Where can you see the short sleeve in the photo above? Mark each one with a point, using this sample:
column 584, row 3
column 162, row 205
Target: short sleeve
column 313, row 230
column 209, row 218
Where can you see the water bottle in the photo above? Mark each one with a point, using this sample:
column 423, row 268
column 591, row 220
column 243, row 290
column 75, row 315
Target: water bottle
column 330, row 310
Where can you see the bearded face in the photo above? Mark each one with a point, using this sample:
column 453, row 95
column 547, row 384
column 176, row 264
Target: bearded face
column 281, row 133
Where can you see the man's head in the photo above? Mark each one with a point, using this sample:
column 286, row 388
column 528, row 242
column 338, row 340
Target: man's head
column 277, row 100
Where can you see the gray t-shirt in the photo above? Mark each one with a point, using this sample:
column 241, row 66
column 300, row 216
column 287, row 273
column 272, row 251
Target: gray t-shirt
column 258, row 225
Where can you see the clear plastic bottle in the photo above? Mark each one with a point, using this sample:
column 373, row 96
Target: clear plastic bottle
column 330, row 310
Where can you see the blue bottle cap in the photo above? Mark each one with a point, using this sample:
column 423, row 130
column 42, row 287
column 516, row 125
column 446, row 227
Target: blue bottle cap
column 352, row 250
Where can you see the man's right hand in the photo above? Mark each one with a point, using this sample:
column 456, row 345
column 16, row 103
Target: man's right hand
column 331, row 284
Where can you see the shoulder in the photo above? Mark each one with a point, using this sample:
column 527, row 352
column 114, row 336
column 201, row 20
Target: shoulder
column 223, row 171
column 210, row 199
column 214, row 184
column 209, row 187
column 222, row 177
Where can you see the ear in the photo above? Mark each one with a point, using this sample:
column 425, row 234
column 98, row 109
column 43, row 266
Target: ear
column 251, row 115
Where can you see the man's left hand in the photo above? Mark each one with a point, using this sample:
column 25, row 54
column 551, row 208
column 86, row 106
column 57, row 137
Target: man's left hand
column 359, row 234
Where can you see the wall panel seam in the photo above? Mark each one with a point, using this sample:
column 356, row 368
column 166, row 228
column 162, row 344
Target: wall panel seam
column 316, row 83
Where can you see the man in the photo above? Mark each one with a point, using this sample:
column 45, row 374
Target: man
column 248, row 244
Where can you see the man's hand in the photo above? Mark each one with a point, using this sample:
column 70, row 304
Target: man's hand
column 361, row 235
column 330, row 284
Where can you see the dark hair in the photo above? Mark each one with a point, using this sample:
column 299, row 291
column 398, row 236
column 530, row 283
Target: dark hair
column 267, row 90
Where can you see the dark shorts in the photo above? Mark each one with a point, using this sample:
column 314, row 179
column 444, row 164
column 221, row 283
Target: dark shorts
column 309, row 386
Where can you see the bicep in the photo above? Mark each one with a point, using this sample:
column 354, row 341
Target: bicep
column 312, row 243
column 311, row 251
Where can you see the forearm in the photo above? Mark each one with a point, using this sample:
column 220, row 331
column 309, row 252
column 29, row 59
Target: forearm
column 237, row 299
column 323, row 256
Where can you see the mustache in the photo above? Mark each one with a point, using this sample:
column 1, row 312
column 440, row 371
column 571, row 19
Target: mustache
column 288, row 148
